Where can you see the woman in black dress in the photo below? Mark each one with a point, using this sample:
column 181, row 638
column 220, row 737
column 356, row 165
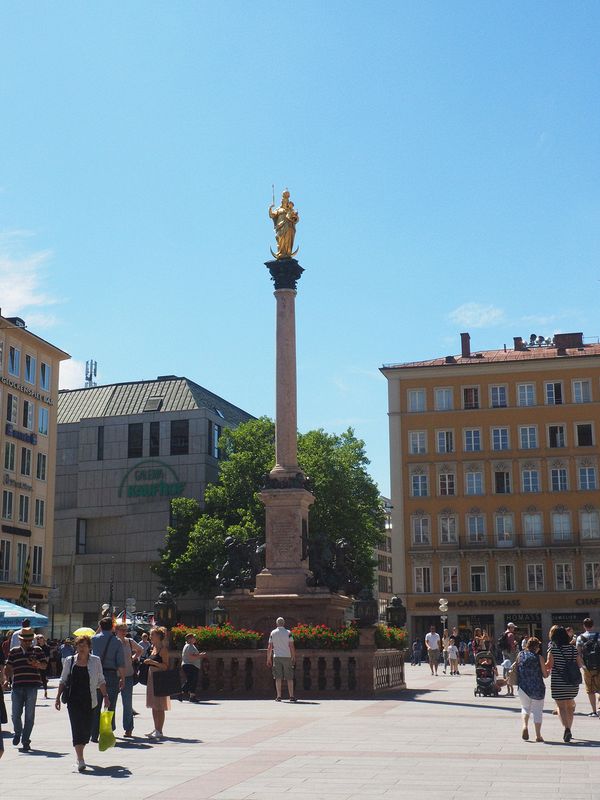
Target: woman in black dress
column 561, row 654
column 83, row 675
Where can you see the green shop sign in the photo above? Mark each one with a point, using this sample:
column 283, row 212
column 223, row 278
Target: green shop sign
column 151, row 478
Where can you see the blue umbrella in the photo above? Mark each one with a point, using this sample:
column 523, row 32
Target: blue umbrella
column 12, row 616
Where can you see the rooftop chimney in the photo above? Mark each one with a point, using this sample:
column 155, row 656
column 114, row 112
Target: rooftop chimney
column 562, row 340
column 465, row 345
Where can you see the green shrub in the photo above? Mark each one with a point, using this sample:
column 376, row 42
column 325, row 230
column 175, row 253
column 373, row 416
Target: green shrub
column 320, row 637
column 389, row 638
column 213, row 637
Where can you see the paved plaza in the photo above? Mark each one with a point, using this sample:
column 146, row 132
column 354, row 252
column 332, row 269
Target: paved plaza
column 435, row 741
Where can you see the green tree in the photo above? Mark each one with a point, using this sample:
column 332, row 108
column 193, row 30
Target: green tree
column 347, row 503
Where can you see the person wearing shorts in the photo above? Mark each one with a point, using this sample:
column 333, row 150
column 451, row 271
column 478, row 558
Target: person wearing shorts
column 432, row 643
column 281, row 656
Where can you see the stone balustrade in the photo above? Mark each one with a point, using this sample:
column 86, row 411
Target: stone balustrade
column 319, row 673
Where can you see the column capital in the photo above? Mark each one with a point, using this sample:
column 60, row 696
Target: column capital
column 285, row 272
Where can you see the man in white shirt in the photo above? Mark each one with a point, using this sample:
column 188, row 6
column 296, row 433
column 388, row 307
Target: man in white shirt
column 191, row 663
column 432, row 643
column 281, row 655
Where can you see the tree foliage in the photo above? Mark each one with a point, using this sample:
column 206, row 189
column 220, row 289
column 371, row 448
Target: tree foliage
column 347, row 503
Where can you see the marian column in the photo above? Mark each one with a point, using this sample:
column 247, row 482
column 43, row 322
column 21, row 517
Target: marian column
column 286, row 497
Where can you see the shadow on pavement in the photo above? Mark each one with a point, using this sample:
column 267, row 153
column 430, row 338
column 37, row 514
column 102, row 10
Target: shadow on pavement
column 514, row 709
column 181, row 740
column 134, row 744
column 45, row 753
column 108, row 772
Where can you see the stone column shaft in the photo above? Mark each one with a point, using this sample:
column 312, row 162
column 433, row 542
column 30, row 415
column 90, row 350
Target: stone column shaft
column 286, row 425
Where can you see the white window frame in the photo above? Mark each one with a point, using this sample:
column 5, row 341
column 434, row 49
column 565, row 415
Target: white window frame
column 450, row 579
column 496, row 390
column 43, row 421
column 474, row 483
column 483, row 582
column 12, row 408
column 471, row 388
column 45, row 376
column 14, row 361
column 450, row 535
column 421, row 530
column 531, row 432
column 443, row 436
column 561, row 525
column 10, row 456
column 502, row 574
column 586, row 485
column 447, row 481
column 474, row 535
column 30, row 369
column 423, row 580
column 579, row 392
column 474, row 434
column 503, row 438
column 41, row 468
column 37, row 564
column 24, row 508
column 563, row 576
column 589, row 525
column 419, row 484
column 504, row 525
column 26, row 461
column 591, row 577
column 593, row 432
column 559, row 479
column 533, row 532
column 446, row 394
column 535, row 577
column 416, row 400
column 7, row 504
column 562, row 437
column 530, row 481
column 550, row 393
column 40, row 512
column 417, row 443
column 523, row 393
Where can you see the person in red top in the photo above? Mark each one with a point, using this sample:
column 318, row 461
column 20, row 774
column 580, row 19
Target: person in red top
column 23, row 668
column 509, row 642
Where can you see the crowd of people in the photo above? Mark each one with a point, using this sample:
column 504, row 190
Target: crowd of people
column 569, row 660
column 94, row 672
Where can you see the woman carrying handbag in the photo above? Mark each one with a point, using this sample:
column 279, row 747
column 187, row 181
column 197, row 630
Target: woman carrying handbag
column 564, row 664
column 157, row 660
column 81, row 679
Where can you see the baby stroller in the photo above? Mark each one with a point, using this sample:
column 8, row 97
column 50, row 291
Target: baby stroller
column 485, row 675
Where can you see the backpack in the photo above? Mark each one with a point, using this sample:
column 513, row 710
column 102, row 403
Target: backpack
column 503, row 642
column 590, row 651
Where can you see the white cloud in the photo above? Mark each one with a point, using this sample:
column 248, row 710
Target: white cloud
column 22, row 277
column 72, row 374
column 477, row 315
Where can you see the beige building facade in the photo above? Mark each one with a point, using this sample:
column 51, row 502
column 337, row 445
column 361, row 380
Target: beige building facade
column 29, row 370
column 124, row 451
column 495, row 493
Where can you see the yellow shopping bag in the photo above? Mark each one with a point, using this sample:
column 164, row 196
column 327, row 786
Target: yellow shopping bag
column 106, row 738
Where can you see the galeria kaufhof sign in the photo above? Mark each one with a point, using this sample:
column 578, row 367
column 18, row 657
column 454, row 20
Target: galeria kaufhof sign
column 151, row 478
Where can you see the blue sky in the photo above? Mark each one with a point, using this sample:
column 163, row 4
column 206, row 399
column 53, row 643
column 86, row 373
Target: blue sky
column 443, row 158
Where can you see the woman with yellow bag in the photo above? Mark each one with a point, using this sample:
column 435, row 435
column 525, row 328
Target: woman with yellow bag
column 81, row 677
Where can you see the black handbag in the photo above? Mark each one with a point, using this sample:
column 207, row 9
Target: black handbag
column 166, row 682
column 142, row 673
column 3, row 714
column 66, row 692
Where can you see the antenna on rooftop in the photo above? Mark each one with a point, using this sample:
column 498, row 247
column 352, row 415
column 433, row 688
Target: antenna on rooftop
column 91, row 370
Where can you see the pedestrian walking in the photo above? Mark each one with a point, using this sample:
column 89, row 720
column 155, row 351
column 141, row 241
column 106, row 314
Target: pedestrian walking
column 132, row 652
column 453, row 656
column 108, row 648
column 417, row 652
column 564, row 664
column 531, row 671
column 191, row 663
column 157, row 659
column 3, row 716
column 14, row 639
column 588, row 647
column 23, row 670
column 281, row 656
column 41, row 643
column 144, row 643
column 65, row 650
column 84, row 681
column 445, row 643
column 432, row 643
column 508, row 643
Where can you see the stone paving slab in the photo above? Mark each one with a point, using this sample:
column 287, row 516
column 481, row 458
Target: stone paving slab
column 321, row 750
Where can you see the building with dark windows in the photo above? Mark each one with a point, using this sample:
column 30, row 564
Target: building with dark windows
column 123, row 452
column 495, row 493
column 383, row 585
column 28, row 398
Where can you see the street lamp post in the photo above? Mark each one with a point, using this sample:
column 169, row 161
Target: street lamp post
column 443, row 611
